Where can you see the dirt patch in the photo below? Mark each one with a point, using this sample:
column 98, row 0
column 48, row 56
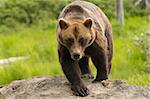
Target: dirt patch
column 59, row 88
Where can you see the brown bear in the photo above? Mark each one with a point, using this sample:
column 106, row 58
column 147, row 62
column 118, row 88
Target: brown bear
column 84, row 31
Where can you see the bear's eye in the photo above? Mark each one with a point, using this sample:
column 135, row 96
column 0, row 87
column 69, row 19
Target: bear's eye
column 82, row 41
column 69, row 42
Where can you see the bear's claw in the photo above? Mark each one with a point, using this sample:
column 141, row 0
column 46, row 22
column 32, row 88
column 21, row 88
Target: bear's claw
column 82, row 92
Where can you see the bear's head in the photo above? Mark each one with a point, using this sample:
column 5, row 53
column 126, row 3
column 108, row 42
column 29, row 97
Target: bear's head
column 76, row 35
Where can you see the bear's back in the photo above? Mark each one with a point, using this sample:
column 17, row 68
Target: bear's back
column 82, row 10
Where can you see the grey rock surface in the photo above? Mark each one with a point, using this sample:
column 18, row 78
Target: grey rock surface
column 59, row 88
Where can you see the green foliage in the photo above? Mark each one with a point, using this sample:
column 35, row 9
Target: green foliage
column 143, row 41
column 29, row 11
column 129, row 59
column 131, row 10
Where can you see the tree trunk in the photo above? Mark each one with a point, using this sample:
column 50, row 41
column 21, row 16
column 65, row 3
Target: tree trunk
column 119, row 12
column 142, row 3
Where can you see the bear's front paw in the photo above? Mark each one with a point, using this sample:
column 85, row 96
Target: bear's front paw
column 80, row 90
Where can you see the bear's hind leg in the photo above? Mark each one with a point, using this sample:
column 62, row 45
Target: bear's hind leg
column 85, row 69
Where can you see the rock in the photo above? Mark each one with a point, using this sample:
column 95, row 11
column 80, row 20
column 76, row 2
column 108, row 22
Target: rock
column 59, row 88
column 12, row 59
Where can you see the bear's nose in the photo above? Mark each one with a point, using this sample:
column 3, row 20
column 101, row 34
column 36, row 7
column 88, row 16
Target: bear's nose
column 76, row 56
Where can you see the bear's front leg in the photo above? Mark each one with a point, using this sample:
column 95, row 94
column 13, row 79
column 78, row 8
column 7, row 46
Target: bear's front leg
column 100, row 60
column 72, row 72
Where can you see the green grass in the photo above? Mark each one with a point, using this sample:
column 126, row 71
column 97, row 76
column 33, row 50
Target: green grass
column 128, row 58
column 41, row 48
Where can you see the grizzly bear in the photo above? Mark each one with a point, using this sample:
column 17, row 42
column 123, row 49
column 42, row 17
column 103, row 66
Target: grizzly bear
column 84, row 32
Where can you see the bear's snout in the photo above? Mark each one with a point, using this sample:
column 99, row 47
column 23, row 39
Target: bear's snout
column 76, row 52
column 76, row 56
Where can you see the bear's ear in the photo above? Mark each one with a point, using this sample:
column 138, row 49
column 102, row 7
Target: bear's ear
column 63, row 24
column 88, row 23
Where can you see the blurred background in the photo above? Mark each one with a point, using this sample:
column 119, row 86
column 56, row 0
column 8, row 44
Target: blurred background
column 28, row 44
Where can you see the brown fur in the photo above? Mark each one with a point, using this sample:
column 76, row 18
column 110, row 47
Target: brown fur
column 85, row 31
